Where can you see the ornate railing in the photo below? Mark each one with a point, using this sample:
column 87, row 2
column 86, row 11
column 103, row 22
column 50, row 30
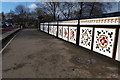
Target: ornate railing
column 101, row 35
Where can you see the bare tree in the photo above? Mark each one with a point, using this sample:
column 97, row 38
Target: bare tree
column 66, row 9
column 81, row 8
column 92, row 7
column 20, row 9
column 96, row 8
column 51, row 8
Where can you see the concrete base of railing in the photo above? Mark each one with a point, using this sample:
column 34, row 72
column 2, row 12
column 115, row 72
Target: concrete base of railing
column 5, row 35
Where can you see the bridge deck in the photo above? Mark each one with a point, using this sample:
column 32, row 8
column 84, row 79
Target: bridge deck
column 34, row 54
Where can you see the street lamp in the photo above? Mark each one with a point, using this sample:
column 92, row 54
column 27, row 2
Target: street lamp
column 26, row 16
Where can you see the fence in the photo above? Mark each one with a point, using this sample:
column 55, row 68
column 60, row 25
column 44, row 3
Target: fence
column 98, row 34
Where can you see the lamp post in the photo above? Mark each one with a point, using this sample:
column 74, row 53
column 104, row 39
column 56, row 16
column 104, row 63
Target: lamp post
column 26, row 16
column 39, row 18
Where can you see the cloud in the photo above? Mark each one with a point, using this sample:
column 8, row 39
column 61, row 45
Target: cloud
column 32, row 6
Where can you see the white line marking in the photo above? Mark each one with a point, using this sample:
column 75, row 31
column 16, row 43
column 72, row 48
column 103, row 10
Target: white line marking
column 8, row 43
column 3, row 50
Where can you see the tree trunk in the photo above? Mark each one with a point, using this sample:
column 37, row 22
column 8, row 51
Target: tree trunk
column 54, row 11
column 80, row 11
column 92, row 9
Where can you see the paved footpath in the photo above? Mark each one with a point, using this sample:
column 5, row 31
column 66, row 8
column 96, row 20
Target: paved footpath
column 34, row 54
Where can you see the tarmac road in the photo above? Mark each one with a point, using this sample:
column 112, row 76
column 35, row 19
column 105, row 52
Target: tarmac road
column 34, row 54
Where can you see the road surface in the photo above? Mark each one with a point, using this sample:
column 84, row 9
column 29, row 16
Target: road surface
column 34, row 54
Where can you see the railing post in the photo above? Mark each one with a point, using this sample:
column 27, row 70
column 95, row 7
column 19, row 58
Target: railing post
column 43, row 26
column 57, row 29
column 116, row 41
column 48, row 27
column 78, row 33
column 38, row 25
column 92, row 38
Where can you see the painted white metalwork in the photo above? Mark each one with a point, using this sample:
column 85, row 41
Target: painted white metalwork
column 72, row 34
column 104, row 39
column 65, row 33
column 60, row 31
column 101, row 21
column 86, row 34
column 70, row 22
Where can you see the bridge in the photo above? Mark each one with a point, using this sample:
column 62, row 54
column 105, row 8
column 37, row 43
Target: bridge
column 34, row 54
column 55, row 51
